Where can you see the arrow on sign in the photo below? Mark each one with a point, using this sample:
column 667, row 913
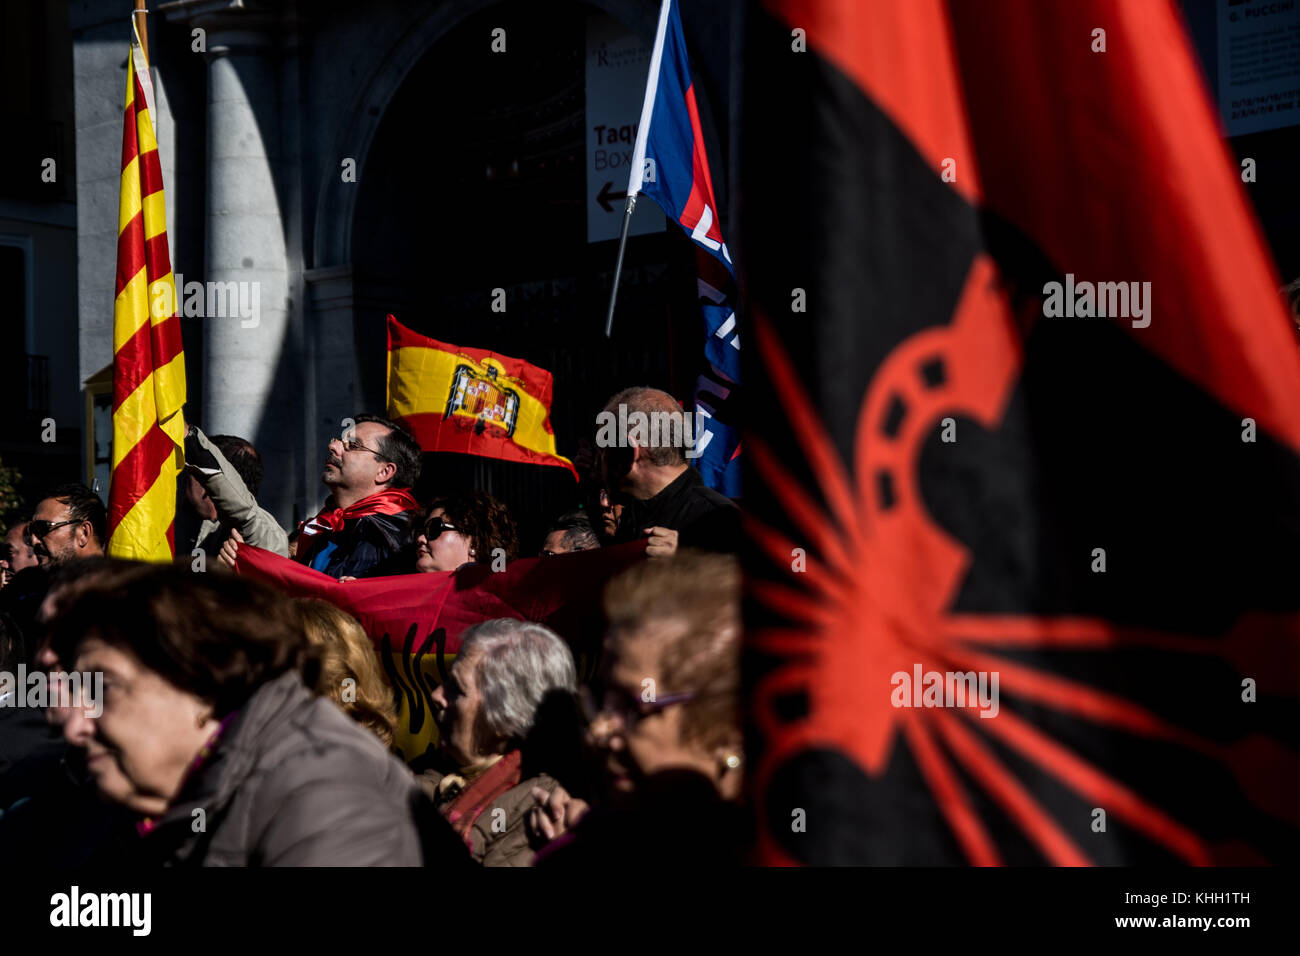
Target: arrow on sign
column 604, row 196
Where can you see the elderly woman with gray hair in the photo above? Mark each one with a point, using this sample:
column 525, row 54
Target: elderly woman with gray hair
column 484, row 711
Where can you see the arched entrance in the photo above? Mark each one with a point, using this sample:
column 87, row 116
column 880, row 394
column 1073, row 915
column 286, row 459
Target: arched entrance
column 475, row 180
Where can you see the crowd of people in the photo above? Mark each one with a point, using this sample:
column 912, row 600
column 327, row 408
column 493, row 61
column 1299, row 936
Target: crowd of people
column 219, row 721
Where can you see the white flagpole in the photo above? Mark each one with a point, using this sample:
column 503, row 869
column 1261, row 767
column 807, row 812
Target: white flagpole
column 636, row 177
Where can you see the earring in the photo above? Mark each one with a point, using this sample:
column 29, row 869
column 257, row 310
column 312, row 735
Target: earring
column 472, row 552
column 732, row 761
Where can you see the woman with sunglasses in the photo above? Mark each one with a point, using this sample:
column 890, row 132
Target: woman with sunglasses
column 664, row 724
column 468, row 528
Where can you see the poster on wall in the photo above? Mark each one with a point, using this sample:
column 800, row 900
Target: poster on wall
column 1259, row 64
column 617, row 66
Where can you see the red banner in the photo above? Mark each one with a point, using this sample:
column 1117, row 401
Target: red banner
column 416, row 620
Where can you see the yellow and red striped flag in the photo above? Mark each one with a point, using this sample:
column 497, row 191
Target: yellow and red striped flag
column 148, row 360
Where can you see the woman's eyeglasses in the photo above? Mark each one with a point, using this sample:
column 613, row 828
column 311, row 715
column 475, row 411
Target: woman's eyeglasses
column 628, row 708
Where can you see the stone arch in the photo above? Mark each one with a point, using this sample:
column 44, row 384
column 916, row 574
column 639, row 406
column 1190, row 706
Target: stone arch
column 335, row 208
column 337, row 374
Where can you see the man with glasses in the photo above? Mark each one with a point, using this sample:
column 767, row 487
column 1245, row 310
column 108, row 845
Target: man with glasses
column 368, row 516
column 69, row 524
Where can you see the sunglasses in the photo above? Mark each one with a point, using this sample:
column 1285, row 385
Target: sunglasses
column 39, row 529
column 432, row 530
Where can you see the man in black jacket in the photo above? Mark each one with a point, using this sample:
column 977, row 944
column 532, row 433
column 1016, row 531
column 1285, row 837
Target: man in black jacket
column 368, row 516
column 645, row 469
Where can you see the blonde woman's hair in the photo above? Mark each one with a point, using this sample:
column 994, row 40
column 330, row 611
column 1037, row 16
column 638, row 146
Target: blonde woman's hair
column 346, row 652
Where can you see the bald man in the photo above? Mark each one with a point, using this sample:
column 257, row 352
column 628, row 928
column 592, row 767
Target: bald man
column 663, row 498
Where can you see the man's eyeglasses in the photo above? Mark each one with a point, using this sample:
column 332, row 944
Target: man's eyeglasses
column 435, row 527
column 351, row 444
column 39, row 529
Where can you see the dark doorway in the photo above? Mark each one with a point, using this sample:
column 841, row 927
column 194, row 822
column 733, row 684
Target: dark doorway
column 476, row 181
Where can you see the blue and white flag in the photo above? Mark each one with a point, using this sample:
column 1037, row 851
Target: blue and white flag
column 670, row 166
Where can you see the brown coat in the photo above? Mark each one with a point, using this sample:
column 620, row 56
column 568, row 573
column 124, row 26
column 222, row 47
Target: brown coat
column 496, row 839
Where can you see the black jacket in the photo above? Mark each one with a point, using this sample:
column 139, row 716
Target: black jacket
column 677, row 814
column 30, row 749
column 367, row 546
column 703, row 518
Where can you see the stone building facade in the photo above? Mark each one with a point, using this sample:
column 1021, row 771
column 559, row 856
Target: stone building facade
column 336, row 161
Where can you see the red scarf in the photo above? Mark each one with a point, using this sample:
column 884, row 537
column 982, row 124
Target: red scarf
column 390, row 501
column 478, row 796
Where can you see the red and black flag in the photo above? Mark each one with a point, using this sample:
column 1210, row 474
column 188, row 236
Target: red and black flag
column 1029, row 413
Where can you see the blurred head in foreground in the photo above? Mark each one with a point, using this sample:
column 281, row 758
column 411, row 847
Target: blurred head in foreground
column 671, row 675
column 178, row 653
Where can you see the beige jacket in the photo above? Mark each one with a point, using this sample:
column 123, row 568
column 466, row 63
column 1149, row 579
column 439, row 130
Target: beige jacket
column 236, row 506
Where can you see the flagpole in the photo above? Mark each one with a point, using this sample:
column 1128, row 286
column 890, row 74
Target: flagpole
column 636, row 175
column 618, row 266
column 142, row 27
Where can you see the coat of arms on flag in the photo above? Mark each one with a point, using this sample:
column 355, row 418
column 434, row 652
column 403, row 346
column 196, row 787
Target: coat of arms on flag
column 467, row 400
column 478, row 394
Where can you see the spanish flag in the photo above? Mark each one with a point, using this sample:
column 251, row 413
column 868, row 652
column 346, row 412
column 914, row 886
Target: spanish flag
column 148, row 360
column 470, row 400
